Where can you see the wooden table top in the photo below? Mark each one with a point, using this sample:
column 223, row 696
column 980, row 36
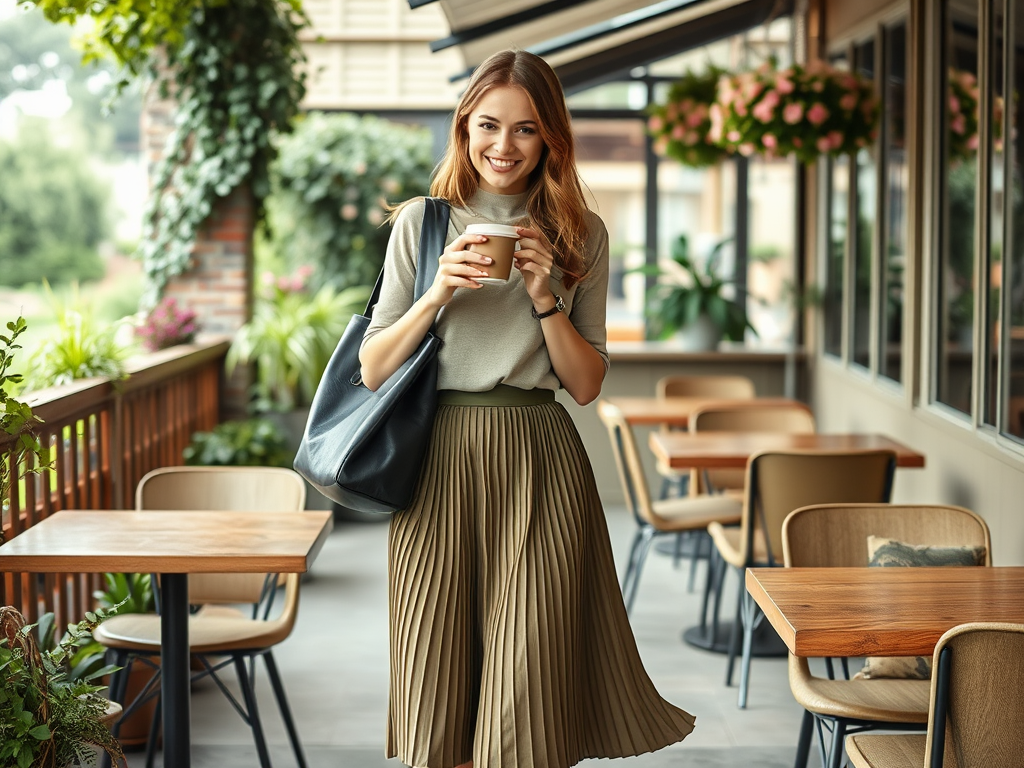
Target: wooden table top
column 720, row 450
column 881, row 611
column 675, row 411
column 168, row 542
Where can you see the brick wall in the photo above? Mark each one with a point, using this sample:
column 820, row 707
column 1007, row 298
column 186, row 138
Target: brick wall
column 219, row 285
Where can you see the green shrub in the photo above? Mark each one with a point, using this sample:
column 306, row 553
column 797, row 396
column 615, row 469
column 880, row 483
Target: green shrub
column 246, row 443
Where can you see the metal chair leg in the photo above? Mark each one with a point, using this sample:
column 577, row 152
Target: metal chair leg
column 286, row 712
column 630, row 574
column 249, row 695
column 835, row 757
column 749, row 616
column 154, row 734
column 641, row 557
column 734, row 635
column 803, row 744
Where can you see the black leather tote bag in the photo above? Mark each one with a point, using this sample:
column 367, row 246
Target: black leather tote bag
column 365, row 449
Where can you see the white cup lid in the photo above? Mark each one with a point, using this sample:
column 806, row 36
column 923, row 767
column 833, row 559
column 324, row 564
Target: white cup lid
column 496, row 230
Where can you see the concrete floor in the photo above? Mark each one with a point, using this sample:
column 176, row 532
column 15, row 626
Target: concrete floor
column 335, row 670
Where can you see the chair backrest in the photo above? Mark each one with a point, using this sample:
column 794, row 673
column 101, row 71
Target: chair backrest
column 746, row 416
column 780, row 481
column 627, row 460
column 724, row 387
column 836, row 535
column 978, row 697
column 246, row 489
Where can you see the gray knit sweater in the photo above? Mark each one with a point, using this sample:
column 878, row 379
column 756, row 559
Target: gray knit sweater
column 489, row 335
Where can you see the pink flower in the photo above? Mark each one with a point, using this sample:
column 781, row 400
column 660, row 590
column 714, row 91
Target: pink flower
column 678, row 131
column 656, row 124
column 797, row 142
column 717, row 121
column 972, row 142
column 958, row 124
column 783, row 85
column 661, row 145
column 817, row 114
column 691, row 138
column 733, row 136
column 793, row 113
column 695, row 118
column 740, row 107
column 848, row 102
column 764, row 111
column 835, row 139
column 848, row 82
column 954, row 103
column 746, row 149
column 823, row 145
column 770, row 141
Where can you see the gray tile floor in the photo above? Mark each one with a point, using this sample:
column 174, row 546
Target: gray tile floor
column 335, row 668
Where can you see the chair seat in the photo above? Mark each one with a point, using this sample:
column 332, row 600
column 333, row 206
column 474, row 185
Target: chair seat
column 693, row 513
column 886, row 701
column 876, row 750
column 729, row 543
column 207, row 633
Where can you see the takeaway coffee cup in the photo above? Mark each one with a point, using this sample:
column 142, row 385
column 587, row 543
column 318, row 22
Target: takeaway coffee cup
column 500, row 246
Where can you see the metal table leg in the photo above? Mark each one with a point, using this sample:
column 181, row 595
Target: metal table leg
column 175, row 663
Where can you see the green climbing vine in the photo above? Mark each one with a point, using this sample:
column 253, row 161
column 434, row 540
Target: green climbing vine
column 236, row 72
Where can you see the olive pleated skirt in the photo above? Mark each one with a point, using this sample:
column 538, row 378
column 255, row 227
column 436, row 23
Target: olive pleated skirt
column 510, row 644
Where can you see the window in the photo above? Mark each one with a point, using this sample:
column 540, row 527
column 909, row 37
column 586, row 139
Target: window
column 863, row 236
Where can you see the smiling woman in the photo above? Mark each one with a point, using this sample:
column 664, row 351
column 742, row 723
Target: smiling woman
column 504, row 150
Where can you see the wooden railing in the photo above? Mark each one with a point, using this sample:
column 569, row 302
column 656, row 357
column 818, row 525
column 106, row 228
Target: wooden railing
column 104, row 436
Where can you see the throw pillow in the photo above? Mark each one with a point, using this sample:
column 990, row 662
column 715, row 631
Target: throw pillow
column 883, row 552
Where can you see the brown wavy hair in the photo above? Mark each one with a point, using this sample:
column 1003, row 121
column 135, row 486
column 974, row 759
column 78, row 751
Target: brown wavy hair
column 555, row 202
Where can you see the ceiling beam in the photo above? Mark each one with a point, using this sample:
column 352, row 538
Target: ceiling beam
column 500, row 24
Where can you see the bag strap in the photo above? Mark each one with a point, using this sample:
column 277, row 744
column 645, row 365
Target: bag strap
column 432, row 237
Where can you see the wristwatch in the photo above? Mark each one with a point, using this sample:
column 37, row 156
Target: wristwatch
column 559, row 307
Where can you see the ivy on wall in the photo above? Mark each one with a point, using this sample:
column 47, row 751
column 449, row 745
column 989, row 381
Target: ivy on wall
column 236, row 71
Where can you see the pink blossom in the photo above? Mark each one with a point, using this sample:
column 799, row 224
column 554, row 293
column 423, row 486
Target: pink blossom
column 753, row 90
column 686, row 105
column 746, row 149
column 267, row 278
column 733, row 136
column 783, row 85
column 848, row 101
column 817, row 114
column 695, row 118
column 823, row 145
column 691, row 138
column 793, row 113
column 835, row 139
column 954, row 103
column 764, row 111
column 717, row 121
column 305, row 271
column 972, row 142
column 661, row 145
column 848, row 82
column 740, row 107
column 797, row 142
column 770, row 141
column 656, row 124
column 817, row 86
column 958, row 124
column 771, row 98
column 678, row 131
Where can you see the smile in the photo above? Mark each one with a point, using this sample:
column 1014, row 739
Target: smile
column 501, row 165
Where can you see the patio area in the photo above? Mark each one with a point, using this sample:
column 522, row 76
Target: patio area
column 335, row 669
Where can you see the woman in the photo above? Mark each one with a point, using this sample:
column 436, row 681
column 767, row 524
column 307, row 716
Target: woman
column 510, row 645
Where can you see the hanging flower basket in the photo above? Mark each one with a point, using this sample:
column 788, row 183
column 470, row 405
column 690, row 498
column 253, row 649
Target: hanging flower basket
column 964, row 112
column 681, row 126
column 803, row 111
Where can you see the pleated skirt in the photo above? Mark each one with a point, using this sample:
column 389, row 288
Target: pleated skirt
column 510, row 644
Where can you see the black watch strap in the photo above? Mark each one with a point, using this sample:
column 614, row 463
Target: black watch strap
column 559, row 307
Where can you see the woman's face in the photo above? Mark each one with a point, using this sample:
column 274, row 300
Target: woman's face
column 504, row 142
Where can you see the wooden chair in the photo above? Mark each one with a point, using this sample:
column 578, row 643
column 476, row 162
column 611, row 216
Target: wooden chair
column 717, row 387
column 777, row 482
column 654, row 518
column 835, row 536
column 218, row 634
column 976, row 705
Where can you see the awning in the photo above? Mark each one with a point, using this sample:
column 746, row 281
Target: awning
column 592, row 41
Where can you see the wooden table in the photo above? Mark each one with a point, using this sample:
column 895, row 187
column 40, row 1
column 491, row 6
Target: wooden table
column 675, row 411
column 720, row 450
column 173, row 544
column 881, row 611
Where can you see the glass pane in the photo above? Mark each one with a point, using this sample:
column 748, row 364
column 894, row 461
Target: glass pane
column 997, row 201
column 770, row 260
column 956, row 283
column 1014, row 246
column 838, row 214
column 896, row 174
column 863, row 238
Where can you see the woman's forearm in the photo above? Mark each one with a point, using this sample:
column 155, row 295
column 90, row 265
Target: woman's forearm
column 383, row 354
column 576, row 363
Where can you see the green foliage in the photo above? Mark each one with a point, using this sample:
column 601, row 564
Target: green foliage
column 237, row 77
column 80, row 348
column 246, row 443
column 681, row 126
column 291, row 338
column 48, row 716
column 691, row 292
column 334, row 176
column 16, row 418
column 53, row 211
column 130, row 592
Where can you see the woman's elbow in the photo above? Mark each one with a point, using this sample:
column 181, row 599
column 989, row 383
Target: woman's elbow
column 584, row 395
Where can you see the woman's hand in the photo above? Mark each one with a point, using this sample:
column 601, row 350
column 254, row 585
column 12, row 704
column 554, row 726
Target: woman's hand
column 456, row 269
column 534, row 262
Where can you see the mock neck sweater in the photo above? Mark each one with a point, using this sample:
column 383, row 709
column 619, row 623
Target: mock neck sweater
column 490, row 336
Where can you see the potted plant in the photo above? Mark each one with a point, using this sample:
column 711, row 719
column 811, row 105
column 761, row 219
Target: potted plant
column 244, row 442
column 51, row 717
column 690, row 301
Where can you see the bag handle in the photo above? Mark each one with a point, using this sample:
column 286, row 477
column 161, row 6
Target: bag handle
column 432, row 236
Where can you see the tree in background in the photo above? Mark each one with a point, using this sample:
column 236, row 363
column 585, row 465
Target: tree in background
column 333, row 180
column 53, row 212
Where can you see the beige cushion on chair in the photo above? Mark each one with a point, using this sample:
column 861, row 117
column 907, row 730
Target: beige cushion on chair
column 872, row 750
column 729, row 543
column 697, row 512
